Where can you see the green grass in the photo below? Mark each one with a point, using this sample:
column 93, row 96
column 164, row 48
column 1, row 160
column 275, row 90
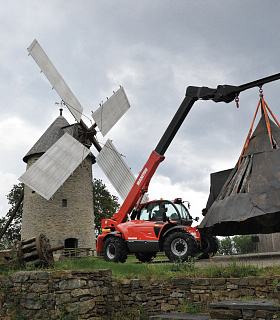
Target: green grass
column 163, row 270
column 160, row 270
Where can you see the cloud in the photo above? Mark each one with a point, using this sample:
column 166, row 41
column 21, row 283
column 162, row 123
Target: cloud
column 155, row 50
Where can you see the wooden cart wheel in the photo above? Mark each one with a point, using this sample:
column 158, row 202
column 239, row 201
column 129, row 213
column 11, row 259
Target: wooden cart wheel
column 36, row 251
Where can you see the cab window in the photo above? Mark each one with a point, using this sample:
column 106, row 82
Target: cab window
column 154, row 211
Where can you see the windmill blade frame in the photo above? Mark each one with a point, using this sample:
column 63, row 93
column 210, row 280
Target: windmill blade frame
column 50, row 171
column 111, row 111
column 56, row 80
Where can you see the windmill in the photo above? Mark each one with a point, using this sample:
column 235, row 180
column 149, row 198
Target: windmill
column 55, row 167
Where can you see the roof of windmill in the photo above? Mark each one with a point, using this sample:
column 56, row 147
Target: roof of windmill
column 51, row 135
column 248, row 201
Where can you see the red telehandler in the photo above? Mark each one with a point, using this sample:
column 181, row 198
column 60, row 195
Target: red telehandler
column 162, row 225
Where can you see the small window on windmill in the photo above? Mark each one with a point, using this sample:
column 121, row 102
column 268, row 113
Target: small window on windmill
column 64, row 203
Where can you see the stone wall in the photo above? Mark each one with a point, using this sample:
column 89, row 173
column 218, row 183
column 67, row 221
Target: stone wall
column 94, row 294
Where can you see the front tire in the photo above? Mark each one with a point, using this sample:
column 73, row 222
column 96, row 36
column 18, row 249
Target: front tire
column 145, row 256
column 179, row 246
column 209, row 246
column 115, row 250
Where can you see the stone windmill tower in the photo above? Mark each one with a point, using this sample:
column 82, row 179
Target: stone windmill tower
column 58, row 195
column 68, row 217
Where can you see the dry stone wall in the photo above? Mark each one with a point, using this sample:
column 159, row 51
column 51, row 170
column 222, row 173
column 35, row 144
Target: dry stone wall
column 95, row 294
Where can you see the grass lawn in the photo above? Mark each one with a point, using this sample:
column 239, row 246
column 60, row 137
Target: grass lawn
column 165, row 270
column 160, row 270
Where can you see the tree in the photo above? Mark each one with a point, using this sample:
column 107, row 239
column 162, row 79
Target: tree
column 237, row 245
column 226, row 246
column 243, row 244
column 12, row 235
column 104, row 203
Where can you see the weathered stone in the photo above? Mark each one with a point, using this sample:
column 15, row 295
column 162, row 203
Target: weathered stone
column 264, row 314
column 176, row 294
column 80, row 307
column 174, row 302
column 225, row 314
column 43, row 275
column 151, row 303
column 71, row 284
column 217, row 281
column 125, row 281
column 166, row 307
column 82, row 292
column 256, row 281
column 247, row 314
column 246, row 292
column 53, row 286
column 239, row 281
column 38, row 287
column 60, row 274
column 62, row 298
column 197, row 291
column 202, row 282
column 135, row 283
column 20, row 276
column 179, row 281
column 31, row 302
column 141, row 297
column 232, row 286
column 6, row 283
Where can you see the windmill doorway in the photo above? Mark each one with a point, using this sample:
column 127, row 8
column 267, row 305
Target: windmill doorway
column 71, row 244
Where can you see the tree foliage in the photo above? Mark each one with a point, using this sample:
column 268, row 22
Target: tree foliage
column 104, row 203
column 226, row 246
column 12, row 235
column 236, row 245
column 243, row 244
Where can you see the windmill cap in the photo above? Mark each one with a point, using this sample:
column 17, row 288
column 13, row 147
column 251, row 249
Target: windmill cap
column 50, row 136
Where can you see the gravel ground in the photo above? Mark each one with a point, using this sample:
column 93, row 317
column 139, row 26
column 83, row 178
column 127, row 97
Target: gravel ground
column 256, row 259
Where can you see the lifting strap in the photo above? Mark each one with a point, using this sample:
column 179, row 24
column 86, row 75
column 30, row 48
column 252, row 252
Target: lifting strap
column 264, row 109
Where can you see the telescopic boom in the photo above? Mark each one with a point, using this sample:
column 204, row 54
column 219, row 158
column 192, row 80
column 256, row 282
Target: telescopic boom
column 223, row 93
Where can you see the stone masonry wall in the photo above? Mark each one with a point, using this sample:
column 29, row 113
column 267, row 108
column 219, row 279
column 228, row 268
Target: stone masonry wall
column 94, row 294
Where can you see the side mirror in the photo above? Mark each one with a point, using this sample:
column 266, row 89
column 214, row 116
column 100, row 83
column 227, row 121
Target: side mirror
column 196, row 219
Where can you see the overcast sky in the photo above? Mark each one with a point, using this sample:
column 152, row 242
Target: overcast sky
column 154, row 49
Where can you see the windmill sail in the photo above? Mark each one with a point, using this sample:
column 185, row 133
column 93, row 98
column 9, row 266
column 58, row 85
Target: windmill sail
column 111, row 111
column 249, row 201
column 54, row 77
column 53, row 168
column 116, row 170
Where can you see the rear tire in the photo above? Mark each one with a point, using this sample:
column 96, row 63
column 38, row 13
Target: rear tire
column 145, row 256
column 115, row 250
column 179, row 246
column 209, row 246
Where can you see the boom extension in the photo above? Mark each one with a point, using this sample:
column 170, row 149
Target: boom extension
column 223, row 93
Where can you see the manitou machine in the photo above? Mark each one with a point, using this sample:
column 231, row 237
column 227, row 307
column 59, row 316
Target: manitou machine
column 162, row 225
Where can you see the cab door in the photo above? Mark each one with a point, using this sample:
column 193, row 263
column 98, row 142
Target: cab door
column 142, row 234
